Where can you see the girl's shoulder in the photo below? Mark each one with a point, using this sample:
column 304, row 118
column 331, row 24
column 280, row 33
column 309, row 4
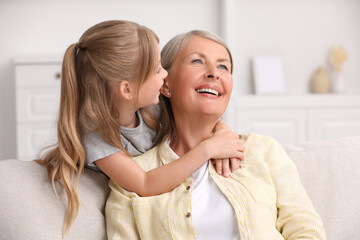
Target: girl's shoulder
column 96, row 148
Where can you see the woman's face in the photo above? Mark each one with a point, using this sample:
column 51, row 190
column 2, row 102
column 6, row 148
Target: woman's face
column 200, row 80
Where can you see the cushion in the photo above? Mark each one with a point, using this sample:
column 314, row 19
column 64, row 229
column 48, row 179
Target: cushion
column 29, row 208
column 330, row 173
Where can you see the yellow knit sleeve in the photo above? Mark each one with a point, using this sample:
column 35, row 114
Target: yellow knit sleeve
column 297, row 218
column 120, row 220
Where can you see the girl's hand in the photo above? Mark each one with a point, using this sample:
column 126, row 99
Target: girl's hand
column 222, row 166
column 226, row 165
column 221, row 125
column 227, row 149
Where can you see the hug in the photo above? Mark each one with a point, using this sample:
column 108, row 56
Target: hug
column 149, row 123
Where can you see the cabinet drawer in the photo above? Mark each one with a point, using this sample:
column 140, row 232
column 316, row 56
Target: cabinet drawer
column 37, row 105
column 40, row 75
column 31, row 138
column 334, row 123
column 285, row 125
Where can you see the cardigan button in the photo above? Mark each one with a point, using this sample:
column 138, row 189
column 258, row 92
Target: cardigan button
column 188, row 188
column 188, row 214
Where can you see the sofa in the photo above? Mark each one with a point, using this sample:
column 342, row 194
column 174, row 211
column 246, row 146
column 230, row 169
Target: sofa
column 29, row 209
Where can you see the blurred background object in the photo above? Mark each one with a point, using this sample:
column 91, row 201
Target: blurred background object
column 300, row 32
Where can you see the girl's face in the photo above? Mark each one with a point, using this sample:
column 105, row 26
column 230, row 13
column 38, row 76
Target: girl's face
column 149, row 92
column 200, row 80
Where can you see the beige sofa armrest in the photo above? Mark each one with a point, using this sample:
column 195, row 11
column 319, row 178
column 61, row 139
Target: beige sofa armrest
column 330, row 173
column 29, row 208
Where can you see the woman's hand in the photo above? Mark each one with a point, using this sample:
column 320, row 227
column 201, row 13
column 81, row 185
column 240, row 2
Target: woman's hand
column 227, row 144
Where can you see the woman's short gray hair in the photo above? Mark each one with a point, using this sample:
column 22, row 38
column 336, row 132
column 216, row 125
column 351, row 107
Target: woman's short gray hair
column 172, row 49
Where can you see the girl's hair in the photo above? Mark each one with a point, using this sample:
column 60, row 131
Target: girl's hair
column 106, row 54
column 169, row 53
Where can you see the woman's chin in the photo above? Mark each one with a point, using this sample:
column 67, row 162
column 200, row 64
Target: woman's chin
column 213, row 110
column 211, row 113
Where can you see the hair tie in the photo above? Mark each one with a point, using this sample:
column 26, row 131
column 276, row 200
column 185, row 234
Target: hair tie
column 78, row 48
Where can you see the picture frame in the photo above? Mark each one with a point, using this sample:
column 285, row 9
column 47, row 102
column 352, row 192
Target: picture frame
column 268, row 75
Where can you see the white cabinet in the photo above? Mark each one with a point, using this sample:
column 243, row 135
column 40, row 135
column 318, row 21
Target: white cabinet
column 289, row 119
column 334, row 122
column 294, row 119
column 286, row 124
column 37, row 86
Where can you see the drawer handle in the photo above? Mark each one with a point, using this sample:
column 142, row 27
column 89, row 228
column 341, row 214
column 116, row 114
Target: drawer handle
column 58, row 75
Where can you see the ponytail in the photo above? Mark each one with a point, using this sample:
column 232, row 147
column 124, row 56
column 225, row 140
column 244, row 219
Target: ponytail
column 68, row 156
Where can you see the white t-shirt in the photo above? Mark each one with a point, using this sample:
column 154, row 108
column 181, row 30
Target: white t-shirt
column 213, row 216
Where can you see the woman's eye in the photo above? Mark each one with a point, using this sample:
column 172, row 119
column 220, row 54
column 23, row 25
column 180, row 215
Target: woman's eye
column 159, row 70
column 197, row 61
column 222, row 66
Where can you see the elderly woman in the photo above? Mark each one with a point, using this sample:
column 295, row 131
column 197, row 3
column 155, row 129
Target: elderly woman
column 262, row 200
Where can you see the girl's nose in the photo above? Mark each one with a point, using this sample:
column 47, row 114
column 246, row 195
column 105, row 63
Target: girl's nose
column 165, row 73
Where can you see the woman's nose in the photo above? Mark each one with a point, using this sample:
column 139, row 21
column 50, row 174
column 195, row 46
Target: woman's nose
column 212, row 73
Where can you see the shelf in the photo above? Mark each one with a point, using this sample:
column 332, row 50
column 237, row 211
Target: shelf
column 38, row 59
column 308, row 100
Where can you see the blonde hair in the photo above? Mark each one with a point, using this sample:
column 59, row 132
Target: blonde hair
column 106, row 54
column 169, row 53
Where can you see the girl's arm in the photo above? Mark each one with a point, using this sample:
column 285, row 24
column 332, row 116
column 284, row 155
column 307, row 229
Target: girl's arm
column 127, row 173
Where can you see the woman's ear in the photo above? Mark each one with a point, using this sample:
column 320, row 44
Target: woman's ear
column 165, row 89
column 125, row 90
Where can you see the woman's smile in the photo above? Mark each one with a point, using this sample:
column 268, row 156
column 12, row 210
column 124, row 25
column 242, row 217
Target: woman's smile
column 209, row 90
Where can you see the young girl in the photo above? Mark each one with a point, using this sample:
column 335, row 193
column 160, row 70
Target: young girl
column 109, row 80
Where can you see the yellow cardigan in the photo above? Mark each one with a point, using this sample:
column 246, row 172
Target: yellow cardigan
column 266, row 194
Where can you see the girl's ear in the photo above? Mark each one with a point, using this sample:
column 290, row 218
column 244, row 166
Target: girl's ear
column 165, row 89
column 125, row 90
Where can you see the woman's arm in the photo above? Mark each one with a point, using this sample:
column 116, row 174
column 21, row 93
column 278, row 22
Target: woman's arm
column 120, row 218
column 297, row 218
column 123, row 170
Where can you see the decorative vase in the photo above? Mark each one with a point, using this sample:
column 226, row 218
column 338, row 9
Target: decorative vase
column 321, row 82
column 338, row 83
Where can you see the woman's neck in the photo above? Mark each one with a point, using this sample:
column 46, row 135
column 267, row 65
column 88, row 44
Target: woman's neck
column 190, row 132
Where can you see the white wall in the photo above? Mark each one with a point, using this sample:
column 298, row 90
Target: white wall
column 48, row 26
column 301, row 31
